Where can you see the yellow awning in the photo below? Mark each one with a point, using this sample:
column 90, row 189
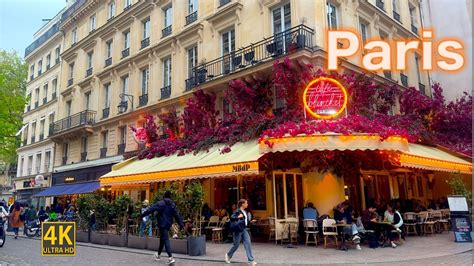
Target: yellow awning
column 431, row 158
column 241, row 160
column 333, row 141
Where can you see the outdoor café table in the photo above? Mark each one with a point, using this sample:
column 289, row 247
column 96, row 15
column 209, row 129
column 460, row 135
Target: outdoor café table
column 385, row 228
column 340, row 230
column 290, row 224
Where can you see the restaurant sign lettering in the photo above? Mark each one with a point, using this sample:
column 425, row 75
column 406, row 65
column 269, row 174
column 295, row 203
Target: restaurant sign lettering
column 69, row 179
column 241, row 167
column 325, row 98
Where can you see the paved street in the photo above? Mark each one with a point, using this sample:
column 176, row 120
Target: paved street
column 430, row 250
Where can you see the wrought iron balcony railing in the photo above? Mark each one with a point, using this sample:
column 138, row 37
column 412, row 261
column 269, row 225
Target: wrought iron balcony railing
column 121, row 148
column 396, row 16
column 125, row 52
column 380, row 4
column 387, row 74
column 143, row 99
column 191, row 17
column 48, row 66
column 103, row 152
column 108, row 61
column 165, row 92
column 41, row 137
column 280, row 44
column 70, row 82
column 166, row 31
column 39, row 73
column 89, row 71
column 86, row 117
column 105, row 112
column 32, row 77
column 414, row 29
column 36, row 104
column 57, row 61
column 83, row 156
column 42, row 39
column 190, row 83
column 223, row 2
column 32, row 139
column 404, row 80
column 145, row 42
column 422, row 88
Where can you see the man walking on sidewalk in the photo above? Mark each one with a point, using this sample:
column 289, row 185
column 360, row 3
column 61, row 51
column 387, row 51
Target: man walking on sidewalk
column 241, row 220
column 167, row 210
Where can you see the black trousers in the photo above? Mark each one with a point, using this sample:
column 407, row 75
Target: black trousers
column 164, row 242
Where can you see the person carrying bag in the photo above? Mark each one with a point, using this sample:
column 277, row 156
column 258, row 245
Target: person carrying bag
column 239, row 222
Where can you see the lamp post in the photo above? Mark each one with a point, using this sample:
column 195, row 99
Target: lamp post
column 122, row 107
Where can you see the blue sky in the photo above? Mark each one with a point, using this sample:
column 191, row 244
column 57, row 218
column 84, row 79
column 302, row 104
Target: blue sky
column 20, row 19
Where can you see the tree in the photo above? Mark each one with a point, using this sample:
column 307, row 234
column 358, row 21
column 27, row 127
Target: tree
column 13, row 73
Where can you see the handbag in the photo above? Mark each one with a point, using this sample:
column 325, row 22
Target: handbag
column 237, row 226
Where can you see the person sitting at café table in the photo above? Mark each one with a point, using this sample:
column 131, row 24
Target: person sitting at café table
column 388, row 214
column 397, row 223
column 221, row 212
column 310, row 212
column 343, row 216
column 369, row 217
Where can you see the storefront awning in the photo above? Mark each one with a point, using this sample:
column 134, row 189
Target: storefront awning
column 333, row 141
column 431, row 158
column 241, row 160
column 69, row 189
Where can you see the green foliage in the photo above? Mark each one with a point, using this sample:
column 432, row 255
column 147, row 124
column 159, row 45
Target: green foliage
column 84, row 206
column 459, row 187
column 13, row 74
column 118, row 210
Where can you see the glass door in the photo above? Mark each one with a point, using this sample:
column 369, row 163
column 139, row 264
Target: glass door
column 288, row 198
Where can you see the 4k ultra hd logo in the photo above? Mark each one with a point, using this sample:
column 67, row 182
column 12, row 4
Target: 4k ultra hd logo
column 58, row 239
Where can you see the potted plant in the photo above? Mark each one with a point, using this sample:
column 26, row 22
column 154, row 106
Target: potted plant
column 84, row 205
column 134, row 239
column 118, row 210
column 194, row 201
column 100, row 209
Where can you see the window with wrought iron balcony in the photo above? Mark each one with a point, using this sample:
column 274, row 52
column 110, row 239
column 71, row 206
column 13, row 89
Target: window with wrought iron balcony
column 48, row 67
column 121, row 149
column 404, row 79
column 143, row 99
column 414, row 29
column 396, row 16
column 108, row 61
column 41, row 137
column 125, row 52
column 53, row 96
column 166, row 31
column 165, row 92
column 145, row 42
column 89, row 71
column 105, row 112
column 191, row 17
column 223, row 2
column 103, row 152
column 32, row 139
column 39, row 73
column 380, row 4
column 421, row 88
column 32, row 77
column 83, row 156
column 70, row 82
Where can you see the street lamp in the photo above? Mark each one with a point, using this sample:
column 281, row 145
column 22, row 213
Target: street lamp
column 122, row 107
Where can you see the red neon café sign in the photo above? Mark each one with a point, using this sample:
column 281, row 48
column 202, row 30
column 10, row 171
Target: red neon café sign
column 325, row 98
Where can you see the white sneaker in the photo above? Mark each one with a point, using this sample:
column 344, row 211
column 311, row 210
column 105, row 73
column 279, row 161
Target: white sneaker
column 358, row 247
column 252, row 263
column 227, row 259
column 170, row 261
column 394, row 245
column 356, row 237
column 157, row 257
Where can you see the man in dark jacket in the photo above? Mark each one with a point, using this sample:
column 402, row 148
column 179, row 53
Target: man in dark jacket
column 166, row 212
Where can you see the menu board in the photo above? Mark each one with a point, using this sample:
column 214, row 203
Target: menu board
column 458, row 204
column 461, row 226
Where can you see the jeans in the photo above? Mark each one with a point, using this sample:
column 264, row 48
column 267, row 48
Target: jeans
column 247, row 244
column 15, row 230
column 351, row 231
column 164, row 241
column 143, row 227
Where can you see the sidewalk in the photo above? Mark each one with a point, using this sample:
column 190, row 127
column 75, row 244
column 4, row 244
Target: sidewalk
column 415, row 248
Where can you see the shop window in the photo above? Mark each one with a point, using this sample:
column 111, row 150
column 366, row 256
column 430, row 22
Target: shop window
column 225, row 192
column 419, row 182
column 254, row 190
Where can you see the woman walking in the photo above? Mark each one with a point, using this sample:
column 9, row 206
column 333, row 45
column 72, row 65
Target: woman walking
column 15, row 218
column 241, row 216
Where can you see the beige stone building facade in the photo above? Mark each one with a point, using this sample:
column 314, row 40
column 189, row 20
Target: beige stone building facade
column 122, row 59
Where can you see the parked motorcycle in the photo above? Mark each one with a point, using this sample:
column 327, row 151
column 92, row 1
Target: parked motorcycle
column 33, row 228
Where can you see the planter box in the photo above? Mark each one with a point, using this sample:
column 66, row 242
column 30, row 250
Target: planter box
column 152, row 243
column 99, row 238
column 137, row 242
column 83, row 236
column 196, row 245
column 117, row 240
column 179, row 246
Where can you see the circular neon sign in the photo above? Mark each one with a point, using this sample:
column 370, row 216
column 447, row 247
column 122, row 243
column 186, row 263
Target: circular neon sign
column 325, row 98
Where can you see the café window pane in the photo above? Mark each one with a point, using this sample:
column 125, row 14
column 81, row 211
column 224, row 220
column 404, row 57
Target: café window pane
column 254, row 190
